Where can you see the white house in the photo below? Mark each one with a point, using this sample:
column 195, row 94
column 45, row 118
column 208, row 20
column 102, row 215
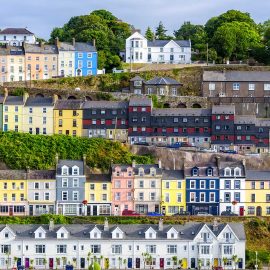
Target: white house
column 141, row 50
column 16, row 36
column 232, row 187
column 122, row 246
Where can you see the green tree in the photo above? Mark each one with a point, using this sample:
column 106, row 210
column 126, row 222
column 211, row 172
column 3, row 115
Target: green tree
column 161, row 31
column 175, row 260
column 149, row 35
column 225, row 261
column 235, row 260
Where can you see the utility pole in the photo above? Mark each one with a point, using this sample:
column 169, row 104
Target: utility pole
column 256, row 266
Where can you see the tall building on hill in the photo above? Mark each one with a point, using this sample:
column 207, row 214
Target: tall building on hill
column 16, row 36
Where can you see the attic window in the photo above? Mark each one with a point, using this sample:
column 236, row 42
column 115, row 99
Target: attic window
column 95, row 235
column 237, row 172
column 117, row 235
column 227, row 172
column 62, row 235
column 150, row 235
column 6, row 235
column 75, row 170
column 209, row 172
column 117, row 173
column 195, row 172
column 64, row 170
column 40, row 235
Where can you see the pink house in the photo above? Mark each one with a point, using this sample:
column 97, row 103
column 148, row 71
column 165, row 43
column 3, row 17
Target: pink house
column 122, row 188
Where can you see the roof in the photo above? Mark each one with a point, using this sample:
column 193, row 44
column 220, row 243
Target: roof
column 123, row 167
column 223, row 109
column 236, row 76
column 146, row 168
column 14, row 100
column 105, row 105
column 70, row 163
column 65, row 46
column 232, row 165
column 68, row 104
column 41, row 174
column 172, row 175
column 37, row 48
column 137, row 78
column 181, row 112
column 187, row 231
column 162, row 43
column 15, row 31
column 162, row 81
column 140, row 101
column 98, row 178
column 245, row 119
column 12, row 174
column 202, row 169
column 39, row 101
column 2, row 98
column 84, row 47
column 257, row 175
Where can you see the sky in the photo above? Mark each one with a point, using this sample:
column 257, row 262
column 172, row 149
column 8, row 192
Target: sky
column 41, row 16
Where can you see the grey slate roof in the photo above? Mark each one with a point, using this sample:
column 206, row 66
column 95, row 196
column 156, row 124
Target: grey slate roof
column 137, row 78
column 39, row 101
column 16, row 31
column 75, row 104
column 202, row 169
column 41, row 174
column 84, row 47
column 257, row 175
column 231, row 165
column 163, row 81
column 147, row 168
column 188, row 231
column 162, row 43
column 14, row 100
column 140, row 101
column 181, row 112
column 122, row 166
column 223, row 109
column 70, row 163
column 44, row 49
column 2, row 98
column 236, row 76
column 12, row 174
column 105, row 105
column 173, row 175
column 65, row 46
column 98, row 178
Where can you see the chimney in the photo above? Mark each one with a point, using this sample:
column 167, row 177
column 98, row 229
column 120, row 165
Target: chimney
column 51, row 225
column 159, row 164
column 73, row 42
column 215, row 225
column 106, row 225
column 218, row 161
column 55, row 98
column 244, row 162
column 133, row 163
column 5, row 93
column 84, row 162
column 57, row 42
column 94, row 42
column 160, row 225
column 25, row 97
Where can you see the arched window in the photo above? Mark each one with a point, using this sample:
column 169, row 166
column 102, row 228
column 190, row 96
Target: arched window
column 75, row 170
column 64, row 170
column 195, row 171
column 237, row 171
column 209, row 171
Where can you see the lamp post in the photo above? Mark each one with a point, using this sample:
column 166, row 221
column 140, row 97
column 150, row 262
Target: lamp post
column 256, row 265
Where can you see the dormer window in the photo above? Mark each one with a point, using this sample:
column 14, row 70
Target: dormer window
column 209, row 172
column 117, row 235
column 62, row 235
column 195, row 171
column 64, row 170
column 75, row 170
column 141, row 172
column 172, row 235
column 95, row 235
column 150, row 235
column 227, row 172
column 129, row 173
column 117, row 173
column 6, row 235
column 39, row 235
column 153, row 172
column 237, row 172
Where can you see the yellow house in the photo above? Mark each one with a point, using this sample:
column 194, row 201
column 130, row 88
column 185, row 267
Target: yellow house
column 68, row 117
column 98, row 194
column 38, row 115
column 257, row 193
column 173, row 191
column 13, row 193
column 13, row 113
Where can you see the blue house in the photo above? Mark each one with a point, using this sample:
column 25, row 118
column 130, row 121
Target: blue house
column 85, row 59
column 202, row 189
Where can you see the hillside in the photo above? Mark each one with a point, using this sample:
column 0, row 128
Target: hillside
column 19, row 151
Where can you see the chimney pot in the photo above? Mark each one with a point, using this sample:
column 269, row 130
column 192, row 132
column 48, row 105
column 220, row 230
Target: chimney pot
column 133, row 163
column 106, row 225
column 159, row 164
column 160, row 225
column 51, row 225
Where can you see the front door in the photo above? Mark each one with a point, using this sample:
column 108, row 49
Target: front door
column 240, row 263
column 161, row 262
column 11, row 210
column 37, row 130
column 26, row 263
column 116, row 210
column 138, row 263
column 241, row 211
column 157, row 208
column 51, row 263
column 258, row 211
column 31, row 212
column 88, row 210
column 19, row 262
column 82, row 263
column 94, row 210
column 193, row 265
column 129, row 262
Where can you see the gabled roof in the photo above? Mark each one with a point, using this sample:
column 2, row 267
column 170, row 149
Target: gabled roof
column 150, row 229
column 224, row 227
column 14, row 100
column 232, row 165
column 105, row 105
column 15, row 31
column 162, row 43
column 147, row 168
column 62, row 228
column 70, row 163
column 40, row 228
column 140, row 101
column 7, row 227
column 137, row 78
column 163, row 81
column 123, row 167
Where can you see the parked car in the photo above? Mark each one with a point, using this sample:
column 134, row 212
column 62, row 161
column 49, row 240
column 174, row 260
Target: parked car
column 229, row 151
column 183, row 213
column 228, row 213
column 209, row 150
column 203, row 214
column 129, row 213
column 176, row 145
column 154, row 214
column 142, row 143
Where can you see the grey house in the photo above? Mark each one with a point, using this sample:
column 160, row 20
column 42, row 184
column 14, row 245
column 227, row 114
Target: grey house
column 70, row 187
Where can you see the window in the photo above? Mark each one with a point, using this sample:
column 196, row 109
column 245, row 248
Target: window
column 227, row 197
column 117, row 196
column 227, row 184
column 171, row 249
column 227, row 250
column 267, row 210
column 117, row 249
column 267, row 197
column 40, row 248
column 192, row 197
column 261, row 185
column 185, row 120
column 237, row 196
column 64, row 195
column 151, row 249
column 64, row 182
column 95, row 249
column 212, row 184
column 104, row 197
column 195, row 172
column 192, row 184
column 237, row 184
column 212, row 197
column 253, row 197
column 5, row 248
column 253, row 185
column 202, row 184
column 152, row 196
column 75, row 195
column 251, row 210
column 266, row 86
column 251, row 86
column 61, row 249
column 202, row 197
column 141, row 196
column 236, row 86
column 205, row 249
column 75, row 182
column 153, row 184
column 47, row 196
column 179, row 184
column 179, row 197
column 141, row 184
column 89, row 55
column 89, row 64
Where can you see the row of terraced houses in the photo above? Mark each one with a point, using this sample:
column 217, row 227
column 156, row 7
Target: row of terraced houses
column 71, row 189
column 136, row 121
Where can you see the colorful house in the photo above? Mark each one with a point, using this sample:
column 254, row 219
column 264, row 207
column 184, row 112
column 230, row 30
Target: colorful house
column 85, row 59
column 38, row 115
column 68, row 116
column 122, row 188
column 173, row 192
column 202, row 188
column 41, row 189
column 257, row 193
column 13, row 193
column 98, row 194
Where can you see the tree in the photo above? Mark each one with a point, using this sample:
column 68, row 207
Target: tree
column 45, row 263
column 15, row 260
column 225, row 261
column 235, row 260
column 119, row 262
column 199, row 264
column 149, row 35
column 31, row 264
column 180, row 263
column 57, row 262
column 89, row 254
column 174, row 259
column 161, row 31
column 64, row 262
column 125, row 263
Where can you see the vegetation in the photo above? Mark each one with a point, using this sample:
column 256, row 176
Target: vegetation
column 19, row 151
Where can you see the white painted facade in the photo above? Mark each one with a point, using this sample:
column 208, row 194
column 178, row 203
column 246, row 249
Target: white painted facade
column 232, row 188
column 140, row 50
column 74, row 242
column 14, row 39
column 66, row 63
